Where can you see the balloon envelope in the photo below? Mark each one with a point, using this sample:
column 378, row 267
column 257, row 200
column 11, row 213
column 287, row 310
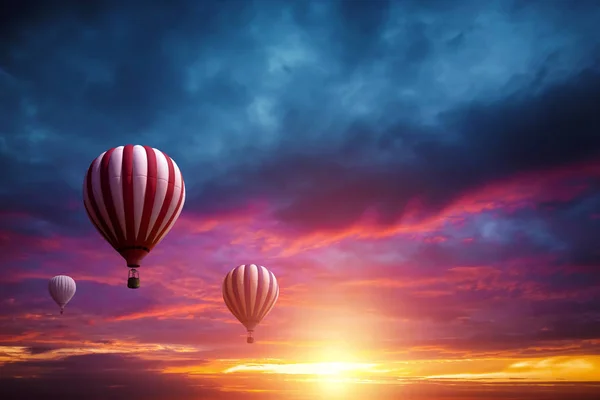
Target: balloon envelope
column 133, row 195
column 62, row 289
column 250, row 292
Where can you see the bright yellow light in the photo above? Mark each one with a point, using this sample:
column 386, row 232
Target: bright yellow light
column 548, row 369
column 333, row 388
column 322, row 368
column 327, row 362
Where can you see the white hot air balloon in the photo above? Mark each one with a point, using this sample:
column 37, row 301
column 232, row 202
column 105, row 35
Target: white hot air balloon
column 62, row 289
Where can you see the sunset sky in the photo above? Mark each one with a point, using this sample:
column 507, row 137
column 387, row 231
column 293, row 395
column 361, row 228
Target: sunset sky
column 423, row 178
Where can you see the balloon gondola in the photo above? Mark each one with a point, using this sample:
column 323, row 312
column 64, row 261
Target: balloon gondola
column 133, row 195
column 133, row 279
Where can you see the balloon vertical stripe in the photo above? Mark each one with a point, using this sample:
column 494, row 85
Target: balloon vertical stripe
column 128, row 199
column 260, row 292
column 249, row 295
column 272, row 295
column 150, row 193
column 227, row 297
column 174, row 216
column 237, row 288
column 93, row 208
column 116, row 186
column 163, row 208
column 177, row 190
column 107, row 196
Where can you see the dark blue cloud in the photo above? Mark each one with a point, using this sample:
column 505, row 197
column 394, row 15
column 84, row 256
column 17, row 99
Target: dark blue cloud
column 98, row 376
column 220, row 85
column 388, row 168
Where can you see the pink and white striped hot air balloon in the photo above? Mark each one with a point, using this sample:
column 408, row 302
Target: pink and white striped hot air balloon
column 133, row 195
column 62, row 288
column 250, row 292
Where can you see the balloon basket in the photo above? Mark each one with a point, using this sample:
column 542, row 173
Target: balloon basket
column 133, row 279
column 133, row 283
column 250, row 338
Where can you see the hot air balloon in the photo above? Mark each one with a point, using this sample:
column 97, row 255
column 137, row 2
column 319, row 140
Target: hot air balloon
column 250, row 292
column 133, row 195
column 62, row 289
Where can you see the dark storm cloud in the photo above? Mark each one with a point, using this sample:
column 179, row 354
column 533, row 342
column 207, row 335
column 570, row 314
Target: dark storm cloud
column 362, row 22
column 38, row 190
column 319, row 85
column 96, row 376
column 562, row 234
column 577, row 225
column 519, row 134
column 78, row 79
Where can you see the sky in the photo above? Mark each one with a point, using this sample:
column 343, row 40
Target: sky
column 421, row 176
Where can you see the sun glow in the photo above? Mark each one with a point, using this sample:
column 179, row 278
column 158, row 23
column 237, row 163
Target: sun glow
column 320, row 368
column 328, row 362
column 585, row 369
column 330, row 379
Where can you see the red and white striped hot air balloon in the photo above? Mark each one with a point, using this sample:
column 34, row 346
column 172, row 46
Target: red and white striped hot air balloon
column 133, row 195
column 250, row 292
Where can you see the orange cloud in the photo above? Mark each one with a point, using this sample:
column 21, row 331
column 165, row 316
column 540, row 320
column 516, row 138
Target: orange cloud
column 170, row 311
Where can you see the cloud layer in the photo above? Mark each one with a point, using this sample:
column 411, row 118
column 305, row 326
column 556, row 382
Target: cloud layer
column 422, row 177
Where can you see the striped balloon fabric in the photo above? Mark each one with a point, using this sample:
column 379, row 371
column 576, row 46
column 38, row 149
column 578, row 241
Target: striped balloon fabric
column 133, row 195
column 62, row 289
column 250, row 292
